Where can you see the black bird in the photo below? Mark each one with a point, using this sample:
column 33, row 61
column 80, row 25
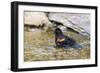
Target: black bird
column 63, row 41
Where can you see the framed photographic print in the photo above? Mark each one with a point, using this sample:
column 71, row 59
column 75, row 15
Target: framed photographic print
column 52, row 36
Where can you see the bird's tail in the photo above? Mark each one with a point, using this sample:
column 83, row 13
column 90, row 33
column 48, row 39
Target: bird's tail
column 81, row 45
column 77, row 46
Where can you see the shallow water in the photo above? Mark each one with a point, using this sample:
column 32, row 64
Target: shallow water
column 40, row 46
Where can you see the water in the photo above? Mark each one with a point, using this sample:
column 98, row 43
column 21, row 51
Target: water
column 40, row 46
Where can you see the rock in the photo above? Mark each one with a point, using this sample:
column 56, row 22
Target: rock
column 76, row 21
column 37, row 19
column 63, row 28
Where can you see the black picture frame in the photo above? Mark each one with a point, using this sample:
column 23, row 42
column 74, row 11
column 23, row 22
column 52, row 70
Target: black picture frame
column 14, row 35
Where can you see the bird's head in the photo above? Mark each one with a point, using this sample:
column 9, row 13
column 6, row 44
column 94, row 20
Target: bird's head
column 58, row 32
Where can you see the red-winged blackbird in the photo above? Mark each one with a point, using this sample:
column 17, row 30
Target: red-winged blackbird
column 63, row 41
